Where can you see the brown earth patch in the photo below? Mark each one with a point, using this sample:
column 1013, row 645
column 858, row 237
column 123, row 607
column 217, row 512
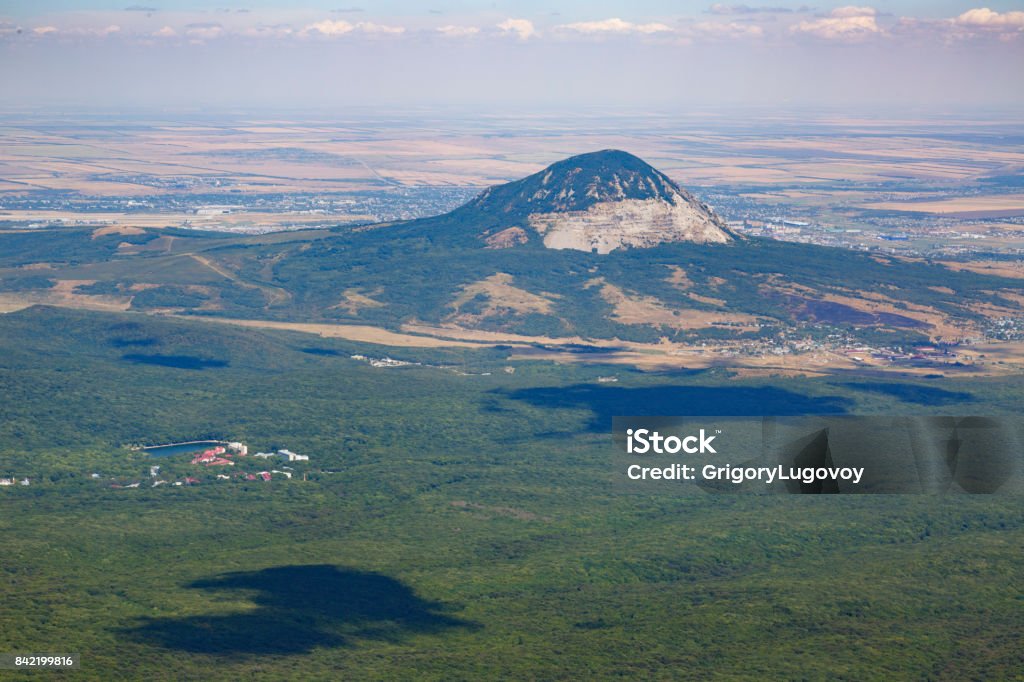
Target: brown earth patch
column 646, row 310
column 63, row 294
column 678, row 278
column 707, row 299
column 352, row 301
column 117, row 229
column 1015, row 298
column 352, row 332
column 507, row 238
column 989, row 267
column 500, row 298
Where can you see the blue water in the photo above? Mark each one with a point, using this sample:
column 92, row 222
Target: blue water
column 167, row 450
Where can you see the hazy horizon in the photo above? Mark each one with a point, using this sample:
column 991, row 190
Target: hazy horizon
column 180, row 56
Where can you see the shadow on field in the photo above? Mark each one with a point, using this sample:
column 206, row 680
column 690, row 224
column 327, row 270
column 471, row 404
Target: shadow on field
column 299, row 608
column 176, row 361
column 692, row 401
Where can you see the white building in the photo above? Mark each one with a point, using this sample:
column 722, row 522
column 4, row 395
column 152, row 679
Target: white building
column 292, row 457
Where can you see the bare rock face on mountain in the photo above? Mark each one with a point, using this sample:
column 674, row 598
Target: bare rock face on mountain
column 597, row 202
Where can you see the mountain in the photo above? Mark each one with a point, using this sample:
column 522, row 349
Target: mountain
column 596, row 202
column 555, row 254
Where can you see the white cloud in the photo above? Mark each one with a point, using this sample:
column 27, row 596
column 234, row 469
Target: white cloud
column 204, row 31
column 165, row 32
column 851, row 11
column 333, row 28
column 379, row 29
column 329, row 27
column 983, row 17
column 843, row 23
column 457, row 31
column 77, row 31
column 731, row 29
column 615, row 25
column 523, row 28
column 272, row 31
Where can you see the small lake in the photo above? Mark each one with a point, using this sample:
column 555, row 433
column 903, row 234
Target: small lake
column 180, row 448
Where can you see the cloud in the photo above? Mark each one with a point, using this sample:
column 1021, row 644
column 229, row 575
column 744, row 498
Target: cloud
column 269, row 31
column 731, row 29
column 984, row 18
column 165, row 32
column 7, row 28
column 333, row 28
column 523, row 28
column 851, row 11
column 348, row 10
column 850, row 24
column 615, row 25
column 77, row 31
column 329, row 27
column 457, row 31
column 980, row 23
column 379, row 29
column 204, row 30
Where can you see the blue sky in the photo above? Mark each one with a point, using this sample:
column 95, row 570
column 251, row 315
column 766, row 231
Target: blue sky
column 653, row 53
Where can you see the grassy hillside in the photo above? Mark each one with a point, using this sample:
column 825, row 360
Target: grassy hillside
column 437, row 271
column 468, row 527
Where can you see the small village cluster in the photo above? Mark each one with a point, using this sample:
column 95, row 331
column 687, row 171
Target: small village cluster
column 221, row 455
column 385, row 361
column 228, row 454
column 14, row 481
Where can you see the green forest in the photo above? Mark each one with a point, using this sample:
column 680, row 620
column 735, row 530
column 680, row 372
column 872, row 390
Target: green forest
column 457, row 521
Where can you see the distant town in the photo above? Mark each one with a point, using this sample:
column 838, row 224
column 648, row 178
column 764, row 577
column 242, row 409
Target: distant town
column 185, row 205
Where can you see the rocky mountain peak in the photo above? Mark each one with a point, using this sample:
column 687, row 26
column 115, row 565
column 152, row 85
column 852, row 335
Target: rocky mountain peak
column 598, row 202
